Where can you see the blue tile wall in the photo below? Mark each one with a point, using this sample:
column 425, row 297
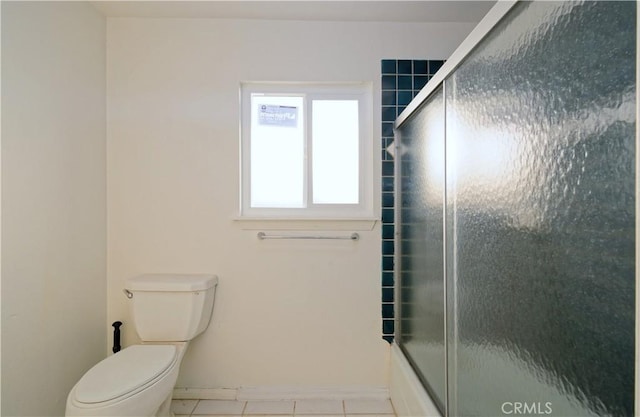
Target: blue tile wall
column 401, row 80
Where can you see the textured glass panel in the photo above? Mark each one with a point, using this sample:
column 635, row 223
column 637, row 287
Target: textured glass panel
column 540, row 214
column 335, row 144
column 421, row 205
column 277, row 151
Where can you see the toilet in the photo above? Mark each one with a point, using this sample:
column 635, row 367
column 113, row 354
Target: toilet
column 168, row 311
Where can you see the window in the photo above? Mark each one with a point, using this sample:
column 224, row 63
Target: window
column 306, row 151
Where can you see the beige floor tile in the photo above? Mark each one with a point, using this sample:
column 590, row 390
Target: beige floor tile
column 221, row 415
column 318, row 407
column 269, row 407
column 370, row 415
column 184, row 407
column 270, row 415
column 219, row 407
column 366, row 406
column 323, row 415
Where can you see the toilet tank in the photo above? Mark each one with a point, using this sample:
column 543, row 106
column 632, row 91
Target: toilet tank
column 171, row 307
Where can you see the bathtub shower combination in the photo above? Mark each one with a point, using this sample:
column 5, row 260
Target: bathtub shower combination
column 515, row 216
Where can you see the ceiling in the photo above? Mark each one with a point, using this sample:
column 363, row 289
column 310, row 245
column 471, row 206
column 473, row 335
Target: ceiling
column 329, row 10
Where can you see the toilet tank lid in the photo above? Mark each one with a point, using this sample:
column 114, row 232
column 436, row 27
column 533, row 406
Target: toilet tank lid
column 171, row 282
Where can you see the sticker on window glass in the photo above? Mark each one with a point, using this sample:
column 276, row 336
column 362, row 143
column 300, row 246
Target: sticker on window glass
column 275, row 115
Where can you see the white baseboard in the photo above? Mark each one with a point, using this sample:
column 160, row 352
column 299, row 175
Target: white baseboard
column 204, row 394
column 408, row 396
column 299, row 393
column 282, row 393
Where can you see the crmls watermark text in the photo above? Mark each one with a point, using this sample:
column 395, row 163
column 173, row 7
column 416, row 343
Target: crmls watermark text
column 517, row 407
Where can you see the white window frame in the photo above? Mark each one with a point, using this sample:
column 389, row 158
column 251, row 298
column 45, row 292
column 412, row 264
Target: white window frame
column 363, row 93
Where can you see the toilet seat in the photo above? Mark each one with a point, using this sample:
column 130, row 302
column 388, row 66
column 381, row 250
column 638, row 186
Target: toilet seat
column 124, row 373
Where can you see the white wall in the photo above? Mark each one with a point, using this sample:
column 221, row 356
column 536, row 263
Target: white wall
column 302, row 313
column 53, row 202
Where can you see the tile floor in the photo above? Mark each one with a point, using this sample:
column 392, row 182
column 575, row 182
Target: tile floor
column 307, row 408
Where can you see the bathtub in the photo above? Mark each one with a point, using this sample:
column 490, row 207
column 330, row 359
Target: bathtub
column 408, row 396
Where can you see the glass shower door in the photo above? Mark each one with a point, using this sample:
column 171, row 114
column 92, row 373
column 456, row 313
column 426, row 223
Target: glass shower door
column 420, row 199
column 540, row 127
column 516, row 220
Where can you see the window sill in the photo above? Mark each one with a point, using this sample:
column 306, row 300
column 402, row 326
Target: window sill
column 289, row 223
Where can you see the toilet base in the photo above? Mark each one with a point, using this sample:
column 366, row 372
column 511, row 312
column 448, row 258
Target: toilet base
column 165, row 408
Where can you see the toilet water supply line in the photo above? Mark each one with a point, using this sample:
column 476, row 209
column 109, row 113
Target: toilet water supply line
column 116, row 327
column 116, row 336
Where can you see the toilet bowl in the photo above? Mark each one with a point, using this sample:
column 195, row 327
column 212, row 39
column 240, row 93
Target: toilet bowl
column 139, row 380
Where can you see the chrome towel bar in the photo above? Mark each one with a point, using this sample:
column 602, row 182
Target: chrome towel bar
column 352, row 236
